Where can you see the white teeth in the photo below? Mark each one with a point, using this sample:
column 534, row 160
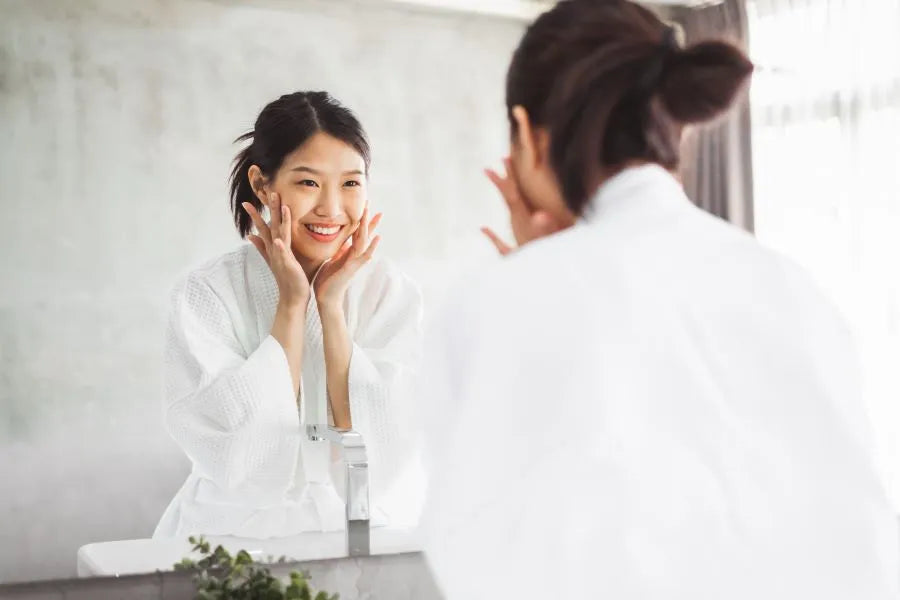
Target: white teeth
column 324, row 230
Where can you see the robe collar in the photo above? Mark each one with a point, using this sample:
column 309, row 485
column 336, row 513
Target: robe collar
column 644, row 188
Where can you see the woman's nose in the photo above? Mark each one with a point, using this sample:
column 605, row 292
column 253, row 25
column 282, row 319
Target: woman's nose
column 329, row 204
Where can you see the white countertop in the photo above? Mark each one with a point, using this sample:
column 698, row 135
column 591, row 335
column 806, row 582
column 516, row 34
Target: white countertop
column 129, row 557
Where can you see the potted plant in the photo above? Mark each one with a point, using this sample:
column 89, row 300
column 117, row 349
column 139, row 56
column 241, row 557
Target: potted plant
column 220, row 576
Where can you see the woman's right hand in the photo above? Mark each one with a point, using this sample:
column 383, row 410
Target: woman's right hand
column 527, row 224
column 274, row 243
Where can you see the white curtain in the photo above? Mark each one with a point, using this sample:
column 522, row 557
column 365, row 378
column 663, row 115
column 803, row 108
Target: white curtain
column 826, row 151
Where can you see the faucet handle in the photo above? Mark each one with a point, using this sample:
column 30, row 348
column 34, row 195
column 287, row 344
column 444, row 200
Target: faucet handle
column 350, row 441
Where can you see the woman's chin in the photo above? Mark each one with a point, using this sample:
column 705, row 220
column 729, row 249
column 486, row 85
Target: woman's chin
column 317, row 253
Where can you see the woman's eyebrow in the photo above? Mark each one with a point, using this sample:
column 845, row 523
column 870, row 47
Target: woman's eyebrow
column 319, row 173
column 307, row 170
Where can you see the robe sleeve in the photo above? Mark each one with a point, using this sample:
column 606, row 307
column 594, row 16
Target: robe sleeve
column 234, row 415
column 385, row 354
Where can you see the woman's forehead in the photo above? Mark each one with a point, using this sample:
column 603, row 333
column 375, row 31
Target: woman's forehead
column 327, row 155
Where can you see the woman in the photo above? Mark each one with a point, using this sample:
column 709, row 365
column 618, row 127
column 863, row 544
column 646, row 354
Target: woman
column 302, row 319
column 641, row 402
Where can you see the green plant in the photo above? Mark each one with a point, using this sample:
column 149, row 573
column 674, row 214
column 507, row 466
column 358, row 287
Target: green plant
column 220, row 576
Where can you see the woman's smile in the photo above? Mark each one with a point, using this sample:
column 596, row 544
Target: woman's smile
column 323, row 232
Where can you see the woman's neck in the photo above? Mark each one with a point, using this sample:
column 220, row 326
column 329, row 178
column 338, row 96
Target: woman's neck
column 310, row 267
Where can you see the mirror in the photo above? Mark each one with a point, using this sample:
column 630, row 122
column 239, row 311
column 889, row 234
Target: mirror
column 119, row 121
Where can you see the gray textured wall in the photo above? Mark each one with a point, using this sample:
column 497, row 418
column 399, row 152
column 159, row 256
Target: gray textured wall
column 116, row 120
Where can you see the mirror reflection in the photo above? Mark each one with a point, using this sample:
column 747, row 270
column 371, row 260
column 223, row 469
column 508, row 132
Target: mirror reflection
column 158, row 378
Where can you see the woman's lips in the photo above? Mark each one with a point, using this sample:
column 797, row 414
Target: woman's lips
column 323, row 233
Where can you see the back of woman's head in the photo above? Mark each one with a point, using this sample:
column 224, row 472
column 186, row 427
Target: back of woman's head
column 283, row 126
column 611, row 85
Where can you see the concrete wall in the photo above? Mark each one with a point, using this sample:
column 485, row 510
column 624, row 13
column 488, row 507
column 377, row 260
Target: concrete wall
column 116, row 120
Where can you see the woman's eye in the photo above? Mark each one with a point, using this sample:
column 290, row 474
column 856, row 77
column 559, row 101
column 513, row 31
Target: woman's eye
column 352, row 183
column 308, row 183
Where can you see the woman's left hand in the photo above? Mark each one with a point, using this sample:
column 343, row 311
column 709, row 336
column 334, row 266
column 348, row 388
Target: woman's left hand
column 334, row 277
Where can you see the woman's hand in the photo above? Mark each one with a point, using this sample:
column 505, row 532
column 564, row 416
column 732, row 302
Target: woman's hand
column 527, row 225
column 274, row 243
column 335, row 275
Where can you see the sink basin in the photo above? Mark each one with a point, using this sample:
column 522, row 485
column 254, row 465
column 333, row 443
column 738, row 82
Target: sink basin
column 130, row 557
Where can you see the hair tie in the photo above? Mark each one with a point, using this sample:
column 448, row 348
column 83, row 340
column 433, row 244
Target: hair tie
column 657, row 67
column 670, row 39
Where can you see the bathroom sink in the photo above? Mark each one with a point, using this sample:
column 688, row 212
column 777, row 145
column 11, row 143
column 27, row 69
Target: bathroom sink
column 129, row 557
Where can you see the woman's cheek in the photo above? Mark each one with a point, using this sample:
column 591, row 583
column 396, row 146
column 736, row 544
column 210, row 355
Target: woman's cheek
column 300, row 201
column 356, row 205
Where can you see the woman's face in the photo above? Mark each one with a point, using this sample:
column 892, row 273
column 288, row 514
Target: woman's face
column 530, row 158
column 323, row 183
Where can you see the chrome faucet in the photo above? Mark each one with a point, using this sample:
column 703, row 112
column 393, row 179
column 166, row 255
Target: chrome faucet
column 356, row 482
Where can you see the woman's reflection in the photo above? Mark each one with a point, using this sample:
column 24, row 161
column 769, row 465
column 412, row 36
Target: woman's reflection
column 302, row 322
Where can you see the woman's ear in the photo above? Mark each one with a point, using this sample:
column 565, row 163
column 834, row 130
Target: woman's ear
column 258, row 184
column 534, row 142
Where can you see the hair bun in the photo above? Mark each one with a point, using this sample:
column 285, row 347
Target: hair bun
column 702, row 81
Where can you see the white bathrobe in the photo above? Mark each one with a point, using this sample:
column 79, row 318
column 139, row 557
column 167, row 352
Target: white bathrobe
column 230, row 405
column 650, row 405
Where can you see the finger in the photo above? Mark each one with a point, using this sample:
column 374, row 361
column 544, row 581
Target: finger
column 371, row 249
column 340, row 263
column 511, row 184
column 506, row 189
column 286, row 224
column 497, row 180
column 341, row 254
column 364, row 221
column 501, row 246
column 351, row 239
column 282, row 252
column 275, row 215
column 361, row 237
column 374, row 222
column 259, row 245
column 259, row 223
column 364, row 231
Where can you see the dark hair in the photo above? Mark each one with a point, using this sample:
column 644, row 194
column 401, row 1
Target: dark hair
column 611, row 84
column 283, row 126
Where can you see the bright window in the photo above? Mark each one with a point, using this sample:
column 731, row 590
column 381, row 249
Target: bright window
column 826, row 152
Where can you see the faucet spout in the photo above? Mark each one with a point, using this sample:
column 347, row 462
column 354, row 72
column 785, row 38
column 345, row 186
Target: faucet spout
column 356, row 480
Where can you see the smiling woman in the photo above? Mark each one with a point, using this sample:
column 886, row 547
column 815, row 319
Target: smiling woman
column 250, row 356
column 339, row 196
